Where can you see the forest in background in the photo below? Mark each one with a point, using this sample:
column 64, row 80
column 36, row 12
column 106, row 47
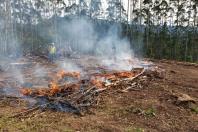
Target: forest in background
column 155, row 28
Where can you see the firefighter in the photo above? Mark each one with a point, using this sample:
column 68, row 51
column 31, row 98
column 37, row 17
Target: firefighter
column 52, row 52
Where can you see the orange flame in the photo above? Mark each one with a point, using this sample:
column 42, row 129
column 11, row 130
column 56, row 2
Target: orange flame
column 97, row 82
column 125, row 74
column 54, row 88
column 26, row 91
column 62, row 74
column 116, row 75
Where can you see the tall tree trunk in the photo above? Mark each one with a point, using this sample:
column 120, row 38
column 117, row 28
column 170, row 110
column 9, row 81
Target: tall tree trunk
column 120, row 11
column 8, row 28
column 186, row 47
column 177, row 14
column 128, row 15
column 195, row 17
column 140, row 12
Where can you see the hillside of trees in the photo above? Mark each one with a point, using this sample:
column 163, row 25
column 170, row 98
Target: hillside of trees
column 155, row 28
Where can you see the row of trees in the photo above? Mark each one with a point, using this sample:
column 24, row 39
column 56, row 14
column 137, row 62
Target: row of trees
column 155, row 28
column 170, row 29
column 148, row 12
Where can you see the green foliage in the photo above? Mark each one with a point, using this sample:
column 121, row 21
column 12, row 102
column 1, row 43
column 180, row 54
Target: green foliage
column 165, row 43
column 150, row 112
column 195, row 109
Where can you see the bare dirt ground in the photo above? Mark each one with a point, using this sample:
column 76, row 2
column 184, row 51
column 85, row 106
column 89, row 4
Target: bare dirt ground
column 149, row 108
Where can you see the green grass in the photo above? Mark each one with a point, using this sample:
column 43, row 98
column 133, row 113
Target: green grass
column 150, row 112
column 134, row 129
column 33, row 125
column 195, row 109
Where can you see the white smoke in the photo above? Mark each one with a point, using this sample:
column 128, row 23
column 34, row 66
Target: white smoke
column 39, row 71
column 69, row 66
column 80, row 36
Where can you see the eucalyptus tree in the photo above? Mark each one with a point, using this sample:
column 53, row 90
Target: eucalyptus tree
column 7, row 42
column 138, row 16
column 5, row 25
column 95, row 8
column 133, row 8
column 147, row 14
column 128, row 15
column 83, row 8
column 2, row 15
column 116, row 11
column 195, row 9
column 179, row 6
column 164, row 10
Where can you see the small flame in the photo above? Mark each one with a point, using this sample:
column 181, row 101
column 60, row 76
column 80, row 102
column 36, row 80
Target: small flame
column 61, row 74
column 26, row 91
column 116, row 75
column 97, row 82
column 125, row 74
column 54, row 88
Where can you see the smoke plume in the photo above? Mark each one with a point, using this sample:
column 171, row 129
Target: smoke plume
column 80, row 36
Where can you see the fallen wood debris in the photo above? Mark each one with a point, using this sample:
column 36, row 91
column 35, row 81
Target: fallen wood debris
column 76, row 96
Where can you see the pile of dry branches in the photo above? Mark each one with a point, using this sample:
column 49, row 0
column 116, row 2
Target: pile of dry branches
column 78, row 95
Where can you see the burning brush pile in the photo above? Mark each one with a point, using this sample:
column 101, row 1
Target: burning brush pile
column 74, row 91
